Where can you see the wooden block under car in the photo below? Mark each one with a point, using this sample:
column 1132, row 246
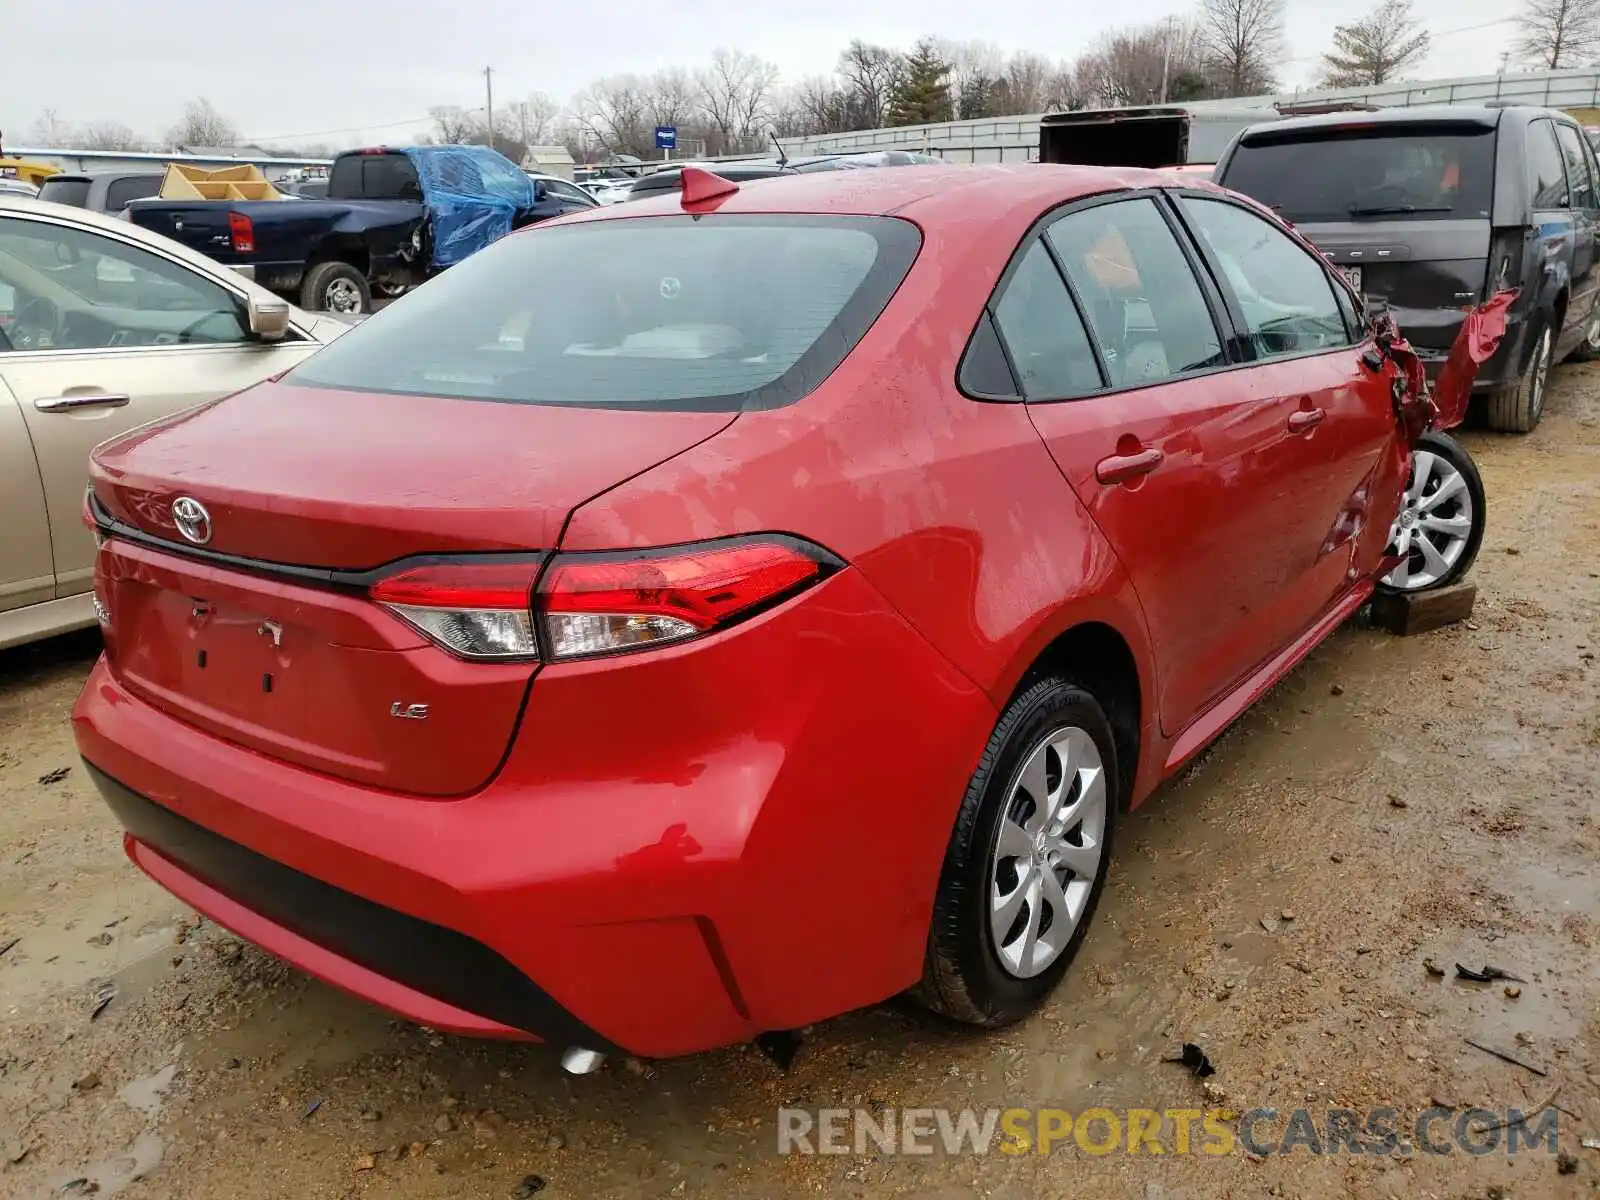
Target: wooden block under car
column 1420, row 612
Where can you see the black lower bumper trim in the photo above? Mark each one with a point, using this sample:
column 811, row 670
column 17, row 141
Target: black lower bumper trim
column 438, row 962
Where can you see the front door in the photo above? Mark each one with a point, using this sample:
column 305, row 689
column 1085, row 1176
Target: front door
column 103, row 335
column 1585, row 205
column 1340, row 416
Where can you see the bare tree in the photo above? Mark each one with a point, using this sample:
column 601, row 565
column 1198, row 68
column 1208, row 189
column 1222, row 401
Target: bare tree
column 1243, row 40
column 1374, row 48
column 734, row 93
column 790, row 115
column 1559, row 33
column 203, row 125
column 108, row 135
column 1027, row 89
column 534, row 119
column 828, row 105
column 455, row 125
column 869, row 73
column 51, row 130
column 616, row 113
column 1141, row 65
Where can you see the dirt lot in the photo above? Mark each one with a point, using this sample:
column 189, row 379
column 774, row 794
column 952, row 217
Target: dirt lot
column 1396, row 800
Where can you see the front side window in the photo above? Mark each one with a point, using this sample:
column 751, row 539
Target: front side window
column 63, row 288
column 1140, row 296
column 1287, row 298
column 715, row 313
column 1547, row 181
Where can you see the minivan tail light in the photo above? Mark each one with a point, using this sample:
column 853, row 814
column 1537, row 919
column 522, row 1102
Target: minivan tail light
column 477, row 610
column 602, row 604
column 241, row 233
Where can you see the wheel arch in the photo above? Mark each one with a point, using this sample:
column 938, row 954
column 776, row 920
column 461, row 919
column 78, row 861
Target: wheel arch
column 1097, row 653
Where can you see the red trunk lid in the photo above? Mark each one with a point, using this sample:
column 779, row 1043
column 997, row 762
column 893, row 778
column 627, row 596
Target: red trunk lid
column 340, row 480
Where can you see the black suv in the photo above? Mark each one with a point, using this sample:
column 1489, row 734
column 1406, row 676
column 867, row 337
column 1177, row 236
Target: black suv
column 1429, row 210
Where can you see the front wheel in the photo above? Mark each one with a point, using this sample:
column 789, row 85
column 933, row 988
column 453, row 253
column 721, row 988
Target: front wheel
column 1027, row 860
column 1589, row 349
column 336, row 287
column 1442, row 517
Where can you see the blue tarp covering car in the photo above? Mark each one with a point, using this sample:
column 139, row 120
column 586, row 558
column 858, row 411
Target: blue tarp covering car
column 474, row 195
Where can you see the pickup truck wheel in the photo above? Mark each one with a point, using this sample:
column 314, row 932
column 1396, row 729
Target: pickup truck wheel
column 1589, row 349
column 1517, row 407
column 335, row 287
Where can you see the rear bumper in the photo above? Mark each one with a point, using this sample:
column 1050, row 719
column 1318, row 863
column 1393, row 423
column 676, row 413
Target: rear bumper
column 1440, row 328
column 683, row 849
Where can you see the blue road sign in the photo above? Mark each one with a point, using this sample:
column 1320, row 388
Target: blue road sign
column 666, row 137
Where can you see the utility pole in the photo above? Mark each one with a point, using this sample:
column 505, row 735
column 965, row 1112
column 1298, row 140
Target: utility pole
column 1166, row 60
column 488, row 96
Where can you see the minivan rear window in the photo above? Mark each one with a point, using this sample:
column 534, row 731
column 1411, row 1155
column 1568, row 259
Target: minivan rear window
column 65, row 191
column 1441, row 172
column 712, row 313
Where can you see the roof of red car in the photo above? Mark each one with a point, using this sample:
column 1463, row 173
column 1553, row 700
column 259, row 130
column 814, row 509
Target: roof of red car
column 920, row 192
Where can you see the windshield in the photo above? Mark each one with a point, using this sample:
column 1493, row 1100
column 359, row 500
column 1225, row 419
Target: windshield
column 66, row 191
column 708, row 313
column 1342, row 175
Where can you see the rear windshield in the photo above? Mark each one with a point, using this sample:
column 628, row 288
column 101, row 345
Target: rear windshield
column 717, row 313
column 1439, row 173
column 122, row 192
column 66, row 191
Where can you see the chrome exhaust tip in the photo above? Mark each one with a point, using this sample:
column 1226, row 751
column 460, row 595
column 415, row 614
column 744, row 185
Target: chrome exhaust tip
column 575, row 1060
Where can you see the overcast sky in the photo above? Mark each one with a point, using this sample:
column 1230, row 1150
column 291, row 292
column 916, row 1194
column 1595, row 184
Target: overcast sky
column 352, row 71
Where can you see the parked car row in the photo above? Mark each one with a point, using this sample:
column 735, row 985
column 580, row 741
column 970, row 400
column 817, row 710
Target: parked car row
column 490, row 660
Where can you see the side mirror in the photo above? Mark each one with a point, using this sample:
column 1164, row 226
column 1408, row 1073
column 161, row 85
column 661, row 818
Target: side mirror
column 541, row 191
column 269, row 319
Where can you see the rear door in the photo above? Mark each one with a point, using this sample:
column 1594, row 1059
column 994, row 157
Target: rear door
column 26, row 573
column 106, row 335
column 1340, row 418
column 1585, row 207
column 1177, row 457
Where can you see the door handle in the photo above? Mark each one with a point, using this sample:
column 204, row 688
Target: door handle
column 1305, row 420
column 75, row 400
column 1122, row 467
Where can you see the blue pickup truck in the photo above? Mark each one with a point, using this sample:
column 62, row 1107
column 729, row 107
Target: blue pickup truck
column 392, row 217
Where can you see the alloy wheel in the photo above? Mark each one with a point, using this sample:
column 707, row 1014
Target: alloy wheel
column 342, row 296
column 1434, row 525
column 1541, row 376
column 1591, row 336
column 1047, row 851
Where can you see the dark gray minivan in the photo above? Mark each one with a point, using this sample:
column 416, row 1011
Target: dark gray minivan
column 1429, row 210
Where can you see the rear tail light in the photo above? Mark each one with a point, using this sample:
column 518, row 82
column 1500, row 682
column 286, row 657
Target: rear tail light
column 596, row 604
column 1505, row 261
column 477, row 610
column 603, row 604
column 241, row 233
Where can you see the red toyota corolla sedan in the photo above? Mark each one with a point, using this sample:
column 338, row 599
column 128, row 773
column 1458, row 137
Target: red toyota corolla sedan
column 704, row 616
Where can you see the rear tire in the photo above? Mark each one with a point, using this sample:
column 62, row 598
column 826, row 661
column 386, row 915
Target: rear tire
column 1517, row 407
column 1041, row 806
column 335, row 287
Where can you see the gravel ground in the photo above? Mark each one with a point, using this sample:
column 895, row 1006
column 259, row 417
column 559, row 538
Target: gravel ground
column 1394, row 801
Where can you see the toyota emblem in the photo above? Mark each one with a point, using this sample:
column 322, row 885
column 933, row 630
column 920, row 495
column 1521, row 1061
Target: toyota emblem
column 192, row 519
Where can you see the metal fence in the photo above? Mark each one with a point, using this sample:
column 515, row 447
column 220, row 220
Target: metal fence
column 1016, row 139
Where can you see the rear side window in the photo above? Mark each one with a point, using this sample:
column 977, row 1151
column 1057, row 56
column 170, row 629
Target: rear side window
column 1048, row 344
column 1143, row 303
column 715, row 313
column 65, row 191
column 122, row 192
column 1547, row 181
column 1286, row 296
column 1581, row 185
column 374, row 177
column 1416, row 171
